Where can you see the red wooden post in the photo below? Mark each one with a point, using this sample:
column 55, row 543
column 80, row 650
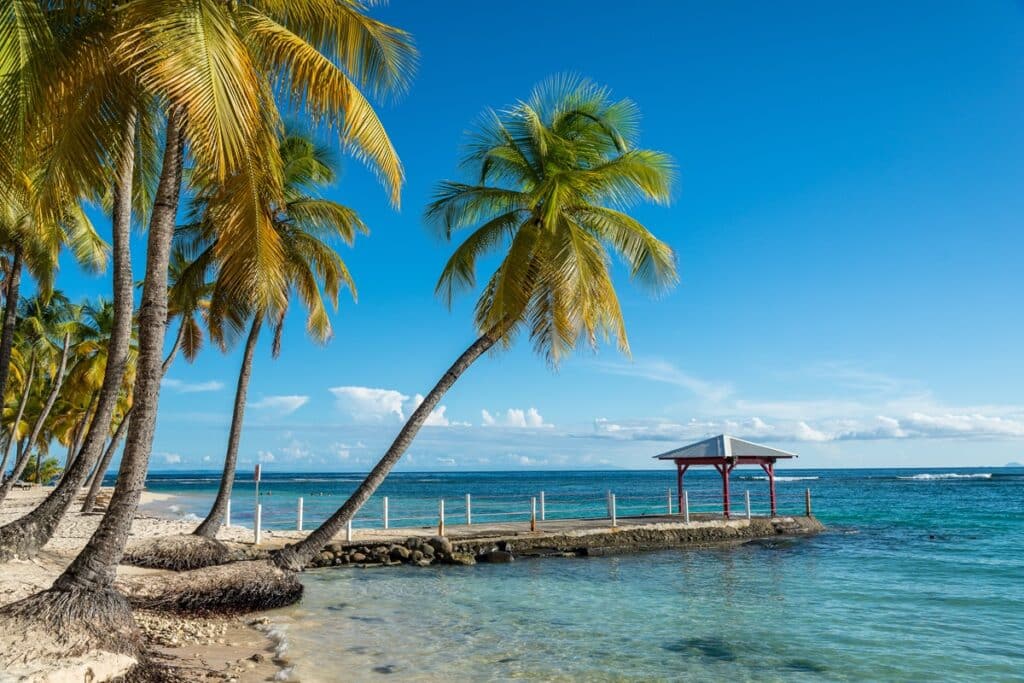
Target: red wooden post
column 769, row 469
column 724, row 470
column 679, row 484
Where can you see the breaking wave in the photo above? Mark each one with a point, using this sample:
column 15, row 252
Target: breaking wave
column 946, row 475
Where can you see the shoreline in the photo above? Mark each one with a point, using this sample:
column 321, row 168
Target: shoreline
column 192, row 648
column 248, row 648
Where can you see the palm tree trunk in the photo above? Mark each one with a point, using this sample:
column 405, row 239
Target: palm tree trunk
column 10, row 317
column 75, row 447
column 297, row 556
column 211, row 525
column 101, row 469
column 37, row 426
column 94, row 568
column 21, row 412
column 26, row 535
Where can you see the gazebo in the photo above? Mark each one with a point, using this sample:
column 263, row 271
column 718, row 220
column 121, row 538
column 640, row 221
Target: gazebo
column 724, row 453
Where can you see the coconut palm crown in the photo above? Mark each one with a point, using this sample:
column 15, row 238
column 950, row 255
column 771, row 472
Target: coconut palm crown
column 552, row 177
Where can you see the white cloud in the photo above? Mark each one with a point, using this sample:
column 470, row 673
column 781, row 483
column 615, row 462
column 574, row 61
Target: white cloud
column 524, row 460
column 171, row 458
column 282, row 405
column 183, row 387
column 265, row 456
column 858, row 404
column 374, row 405
column 296, row 450
column 437, row 417
column 515, row 418
column 367, row 404
column 916, row 425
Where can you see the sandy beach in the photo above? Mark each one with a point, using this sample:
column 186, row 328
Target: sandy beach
column 196, row 649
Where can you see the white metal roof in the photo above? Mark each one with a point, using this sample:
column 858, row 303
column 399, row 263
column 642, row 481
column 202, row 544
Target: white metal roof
column 723, row 445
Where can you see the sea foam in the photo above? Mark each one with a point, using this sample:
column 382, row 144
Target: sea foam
column 947, row 475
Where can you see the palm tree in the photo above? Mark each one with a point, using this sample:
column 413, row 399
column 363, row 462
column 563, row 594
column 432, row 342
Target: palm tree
column 33, row 239
column 552, row 175
column 121, row 419
column 216, row 68
column 187, row 300
column 84, row 123
column 306, row 224
column 41, row 472
column 17, row 428
column 48, row 323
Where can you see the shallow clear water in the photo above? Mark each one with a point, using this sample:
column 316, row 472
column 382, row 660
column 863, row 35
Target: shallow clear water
column 918, row 578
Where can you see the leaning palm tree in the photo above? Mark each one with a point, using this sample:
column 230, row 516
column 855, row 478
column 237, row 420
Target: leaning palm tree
column 551, row 178
column 218, row 72
column 308, row 225
column 187, row 302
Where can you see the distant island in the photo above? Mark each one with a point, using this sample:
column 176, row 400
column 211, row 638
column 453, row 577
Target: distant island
column 1014, row 464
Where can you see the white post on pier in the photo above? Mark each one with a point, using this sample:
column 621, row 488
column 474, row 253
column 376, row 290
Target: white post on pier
column 533, row 514
column 259, row 523
column 259, row 508
column 542, row 507
column 669, row 500
column 686, row 506
column 348, row 530
column 299, row 524
column 440, row 516
column 469, row 511
column 227, row 514
column 387, row 522
column 615, row 521
column 748, row 503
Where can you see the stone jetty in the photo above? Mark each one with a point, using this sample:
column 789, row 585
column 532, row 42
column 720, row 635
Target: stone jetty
column 466, row 545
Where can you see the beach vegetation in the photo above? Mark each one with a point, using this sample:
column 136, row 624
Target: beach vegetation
column 106, row 84
column 43, row 472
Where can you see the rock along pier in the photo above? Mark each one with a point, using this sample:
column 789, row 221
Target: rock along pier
column 502, row 542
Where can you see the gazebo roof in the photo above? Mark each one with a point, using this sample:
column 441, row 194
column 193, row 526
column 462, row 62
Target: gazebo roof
column 723, row 446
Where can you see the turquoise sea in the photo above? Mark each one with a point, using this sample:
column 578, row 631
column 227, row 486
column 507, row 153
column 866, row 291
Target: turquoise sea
column 920, row 577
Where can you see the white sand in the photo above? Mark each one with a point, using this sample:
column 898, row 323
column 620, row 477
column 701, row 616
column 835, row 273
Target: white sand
column 21, row 578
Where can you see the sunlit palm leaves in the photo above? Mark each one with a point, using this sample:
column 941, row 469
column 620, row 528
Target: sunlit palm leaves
column 229, row 66
column 553, row 177
column 306, row 225
column 79, row 69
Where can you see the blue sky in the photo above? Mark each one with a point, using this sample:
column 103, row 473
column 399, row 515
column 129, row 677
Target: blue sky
column 847, row 225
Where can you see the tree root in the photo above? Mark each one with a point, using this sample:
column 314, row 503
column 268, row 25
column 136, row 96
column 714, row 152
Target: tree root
column 234, row 588
column 60, row 626
column 186, row 551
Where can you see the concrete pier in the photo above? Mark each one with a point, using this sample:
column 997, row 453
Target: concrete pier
column 578, row 537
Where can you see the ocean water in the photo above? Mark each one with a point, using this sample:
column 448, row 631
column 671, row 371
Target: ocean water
column 920, row 577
